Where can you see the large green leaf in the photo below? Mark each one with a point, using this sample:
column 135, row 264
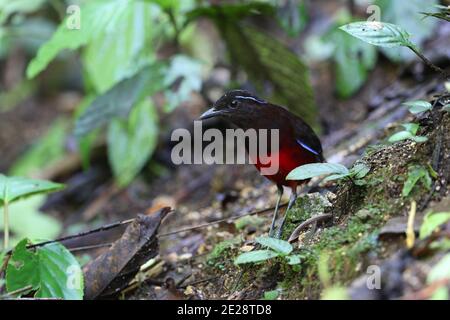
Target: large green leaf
column 97, row 16
column 122, row 49
column 13, row 188
column 255, row 256
column 280, row 246
column 354, row 59
column 47, row 150
column 26, row 220
column 131, row 143
column 311, row 170
column 120, row 99
column 52, row 271
column 408, row 16
column 378, row 33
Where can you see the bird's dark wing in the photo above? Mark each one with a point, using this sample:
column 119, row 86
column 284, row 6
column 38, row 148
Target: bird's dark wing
column 306, row 137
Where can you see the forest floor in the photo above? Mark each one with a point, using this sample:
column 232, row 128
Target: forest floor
column 214, row 222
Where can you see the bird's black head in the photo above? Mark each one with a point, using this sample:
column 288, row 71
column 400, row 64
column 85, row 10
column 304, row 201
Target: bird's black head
column 234, row 104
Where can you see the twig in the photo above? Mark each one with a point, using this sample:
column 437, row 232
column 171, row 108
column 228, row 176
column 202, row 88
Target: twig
column 193, row 283
column 306, row 223
column 204, row 225
column 15, row 292
column 429, row 63
column 120, row 223
column 94, row 246
column 78, row 235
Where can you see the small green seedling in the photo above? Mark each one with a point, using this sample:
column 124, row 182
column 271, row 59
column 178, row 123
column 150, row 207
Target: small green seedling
column 15, row 188
column 416, row 174
column 418, row 106
column 335, row 171
column 409, row 132
column 431, row 222
column 276, row 248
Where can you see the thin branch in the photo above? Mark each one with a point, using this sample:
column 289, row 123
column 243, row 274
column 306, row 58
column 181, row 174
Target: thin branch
column 16, row 292
column 81, row 234
column 429, row 63
column 306, row 223
column 120, row 223
column 204, row 225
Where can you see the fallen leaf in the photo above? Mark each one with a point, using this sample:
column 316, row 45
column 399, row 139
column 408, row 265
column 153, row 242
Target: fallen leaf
column 110, row 272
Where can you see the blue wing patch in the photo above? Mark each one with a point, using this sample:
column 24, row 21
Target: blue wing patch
column 307, row 147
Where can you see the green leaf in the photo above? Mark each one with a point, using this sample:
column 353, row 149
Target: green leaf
column 119, row 100
column 123, row 48
column 52, row 271
column 97, row 16
column 409, row 17
column 411, row 127
column 255, row 256
column 26, row 220
column 360, row 170
column 183, row 77
column 44, row 153
column 415, row 174
column 294, row 259
column 353, row 61
column 399, row 136
column 311, row 170
column 446, row 108
column 431, row 222
column 418, row 106
column 419, row 139
column 13, row 188
column 280, row 246
column 132, row 142
column 378, row 33
column 335, row 177
column 271, row 295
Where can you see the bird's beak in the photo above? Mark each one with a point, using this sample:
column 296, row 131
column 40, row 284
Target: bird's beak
column 210, row 113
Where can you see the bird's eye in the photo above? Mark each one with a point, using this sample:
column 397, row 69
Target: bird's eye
column 234, row 104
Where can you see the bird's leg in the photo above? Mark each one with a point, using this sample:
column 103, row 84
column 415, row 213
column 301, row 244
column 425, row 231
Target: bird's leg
column 290, row 204
column 275, row 213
